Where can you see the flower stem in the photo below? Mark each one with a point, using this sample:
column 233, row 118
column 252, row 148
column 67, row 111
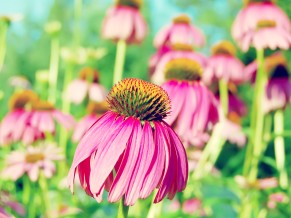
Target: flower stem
column 155, row 210
column 122, row 210
column 119, row 61
column 280, row 148
column 44, row 195
column 211, row 151
column 3, row 33
column 223, row 94
column 259, row 125
column 26, row 190
column 53, row 71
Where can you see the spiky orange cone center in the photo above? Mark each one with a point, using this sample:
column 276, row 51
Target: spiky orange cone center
column 140, row 99
column 22, row 100
column 224, row 48
column 183, row 69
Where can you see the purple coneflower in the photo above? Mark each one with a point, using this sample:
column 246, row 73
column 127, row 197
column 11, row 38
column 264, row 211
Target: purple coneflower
column 86, row 85
column 10, row 130
column 125, row 22
column 31, row 161
column 181, row 31
column 95, row 110
column 194, row 107
column 177, row 51
column 278, row 88
column 224, row 65
column 130, row 151
column 262, row 24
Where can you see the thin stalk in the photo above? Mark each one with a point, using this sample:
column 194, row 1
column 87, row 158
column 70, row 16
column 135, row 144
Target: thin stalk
column 44, row 195
column 122, row 210
column 223, row 94
column 3, row 35
column 66, row 107
column 254, row 111
column 31, row 213
column 119, row 61
column 259, row 127
column 210, row 147
column 54, row 68
column 280, row 148
column 26, row 191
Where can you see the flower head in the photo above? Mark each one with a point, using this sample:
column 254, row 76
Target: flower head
column 20, row 105
column 178, row 51
column 180, row 31
column 194, row 107
column 32, row 161
column 262, row 24
column 125, row 22
column 133, row 140
column 278, row 88
column 224, row 65
column 86, row 85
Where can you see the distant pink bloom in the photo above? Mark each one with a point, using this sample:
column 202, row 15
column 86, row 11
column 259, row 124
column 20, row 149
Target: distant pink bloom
column 86, row 85
column 123, row 22
column 158, row 76
column 155, row 59
column 194, row 110
column 44, row 115
column 174, row 206
column 95, row 110
column 64, row 211
column 275, row 198
column 224, row 65
column 181, row 31
column 267, row 183
column 31, row 161
column 9, row 202
column 278, row 88
column 15, row 125
column 262, row 25
column 133, row 141
column 234, row 133
column 193, row 206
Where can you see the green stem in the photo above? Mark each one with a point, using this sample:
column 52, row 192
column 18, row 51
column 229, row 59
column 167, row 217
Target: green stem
column 119, row 61
column 53, row 71
column 211, row 146
column 155, row 210
column 44, row 195
column 3, row 34
column 259, row 127
column 31, row 213
column 223, row 94
column 66, row 107
column 26, row 191
column 254, row 110
column 280, row 148
column 122, row 210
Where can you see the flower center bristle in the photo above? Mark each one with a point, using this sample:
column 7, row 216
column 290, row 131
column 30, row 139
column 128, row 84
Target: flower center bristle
column 181, row 47
column 183, row 19
column 232, row 88
column 130, row 3
column 22, row 100
column 224, row 48
column 261, row 24
column 89, row 74
column 35, row 157
column 183, row 69
column 43, row 106
column 234, row 117
column 140, row 99
column 273, row 61
column 97, row 107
